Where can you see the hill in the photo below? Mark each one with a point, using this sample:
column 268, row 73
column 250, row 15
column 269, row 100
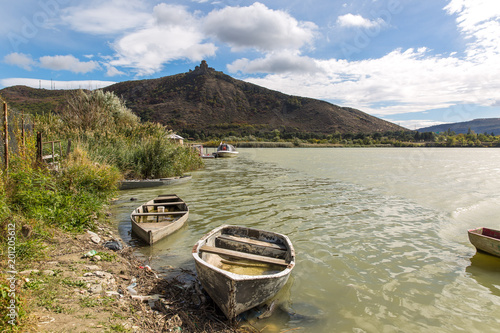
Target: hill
column 30, row 100
column 479, row 126
column 207, row 102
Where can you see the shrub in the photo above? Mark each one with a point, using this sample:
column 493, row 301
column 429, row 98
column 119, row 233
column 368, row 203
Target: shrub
column 68, row 199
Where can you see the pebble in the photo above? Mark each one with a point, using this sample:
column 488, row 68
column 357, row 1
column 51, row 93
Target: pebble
column 92, row 268
column 95, row 289
column 94, row 237
column 29, row 271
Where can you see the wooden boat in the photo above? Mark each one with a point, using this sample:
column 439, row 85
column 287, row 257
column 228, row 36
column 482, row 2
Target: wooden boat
column 159, row 217
column 241, row 267
column 486, row 240
column 226, row 150
column 144, row 183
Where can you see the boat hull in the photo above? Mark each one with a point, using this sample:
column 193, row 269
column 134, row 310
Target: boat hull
column 485, row 240
column 227, row 154
column 236, row 293
column 226, row 151
column 169, row 221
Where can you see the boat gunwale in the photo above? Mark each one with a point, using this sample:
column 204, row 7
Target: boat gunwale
column 475, row 231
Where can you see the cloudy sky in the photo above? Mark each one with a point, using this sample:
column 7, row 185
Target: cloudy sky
column 412, row 62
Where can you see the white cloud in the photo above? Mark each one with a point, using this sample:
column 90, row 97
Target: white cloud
column 106, row 17
column 400, row 82
column 350, row 20
column 19, row 59
column 282, row 62
column 68, row 63
column 113, row 71
column 479, row 20
column 51, row 84
column 259, row 27
column 173, row 34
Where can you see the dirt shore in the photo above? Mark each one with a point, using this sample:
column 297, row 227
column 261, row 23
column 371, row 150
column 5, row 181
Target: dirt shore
column 111, row 291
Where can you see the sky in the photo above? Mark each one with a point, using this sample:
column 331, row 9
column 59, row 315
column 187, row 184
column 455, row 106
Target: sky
column 415, row 63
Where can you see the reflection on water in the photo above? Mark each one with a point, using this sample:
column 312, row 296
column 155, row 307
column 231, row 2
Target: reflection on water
column 485, row 269
column 380, row 234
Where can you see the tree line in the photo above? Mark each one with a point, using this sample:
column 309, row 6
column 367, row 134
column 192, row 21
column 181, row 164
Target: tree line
column 388, row 138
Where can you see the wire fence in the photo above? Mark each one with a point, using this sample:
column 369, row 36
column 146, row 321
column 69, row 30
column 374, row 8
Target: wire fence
column 16, row 127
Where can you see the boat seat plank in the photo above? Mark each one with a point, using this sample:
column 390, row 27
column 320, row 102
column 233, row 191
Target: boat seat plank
column 252, row 242
column 241, row 255
column 159, row 214
column 165, row 203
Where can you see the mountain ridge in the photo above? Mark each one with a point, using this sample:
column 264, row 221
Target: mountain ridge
column 210, row 102
column 479, row 126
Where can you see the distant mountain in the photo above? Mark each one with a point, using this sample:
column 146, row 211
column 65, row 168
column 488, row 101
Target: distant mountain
column 479, row 126
column 211, row 102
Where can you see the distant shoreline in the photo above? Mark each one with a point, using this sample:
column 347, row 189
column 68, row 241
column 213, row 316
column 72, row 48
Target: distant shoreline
column 270, row 144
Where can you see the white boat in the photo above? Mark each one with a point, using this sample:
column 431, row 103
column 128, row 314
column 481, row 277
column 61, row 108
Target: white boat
column 128, row 184
column 226, row 150
column 241, row 267
column 159, row 217
column 486, row 240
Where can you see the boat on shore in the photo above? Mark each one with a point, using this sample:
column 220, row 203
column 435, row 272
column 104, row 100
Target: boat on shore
column 144, row 183
column 159, row 217
column 485, row 240
column 226, row 150
column 241, row 267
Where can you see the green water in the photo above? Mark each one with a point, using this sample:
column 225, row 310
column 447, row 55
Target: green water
column 380, row 234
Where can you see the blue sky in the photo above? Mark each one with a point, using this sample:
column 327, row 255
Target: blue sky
column 412, row 62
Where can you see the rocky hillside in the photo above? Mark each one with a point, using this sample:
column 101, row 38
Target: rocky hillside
column 210, row 101
column 213, row 103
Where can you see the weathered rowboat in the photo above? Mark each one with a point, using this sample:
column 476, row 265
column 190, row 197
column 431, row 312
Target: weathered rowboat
column 242, row 267
column 159, row 217
column 226, row 150
column 486, row 240
column 144, row 183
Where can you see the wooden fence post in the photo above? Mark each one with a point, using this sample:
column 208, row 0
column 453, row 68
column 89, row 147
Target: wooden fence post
column 68, row 150
column 23, row 134
column 6, row 136
column 39, row 147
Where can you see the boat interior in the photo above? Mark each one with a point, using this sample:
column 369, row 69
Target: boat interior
column 244, row 255
column 488, row 232
column 166, row 208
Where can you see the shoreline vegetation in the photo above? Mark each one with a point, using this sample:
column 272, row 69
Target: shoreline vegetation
column 47, row 282
column 408, row 139
column 50, row 218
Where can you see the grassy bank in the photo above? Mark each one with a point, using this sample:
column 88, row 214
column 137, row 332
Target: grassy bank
column 39, row 205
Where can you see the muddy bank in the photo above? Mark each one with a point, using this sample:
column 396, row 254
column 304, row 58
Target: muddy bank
column 84, row 286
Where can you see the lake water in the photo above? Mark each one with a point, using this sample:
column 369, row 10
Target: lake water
column 380, row 233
